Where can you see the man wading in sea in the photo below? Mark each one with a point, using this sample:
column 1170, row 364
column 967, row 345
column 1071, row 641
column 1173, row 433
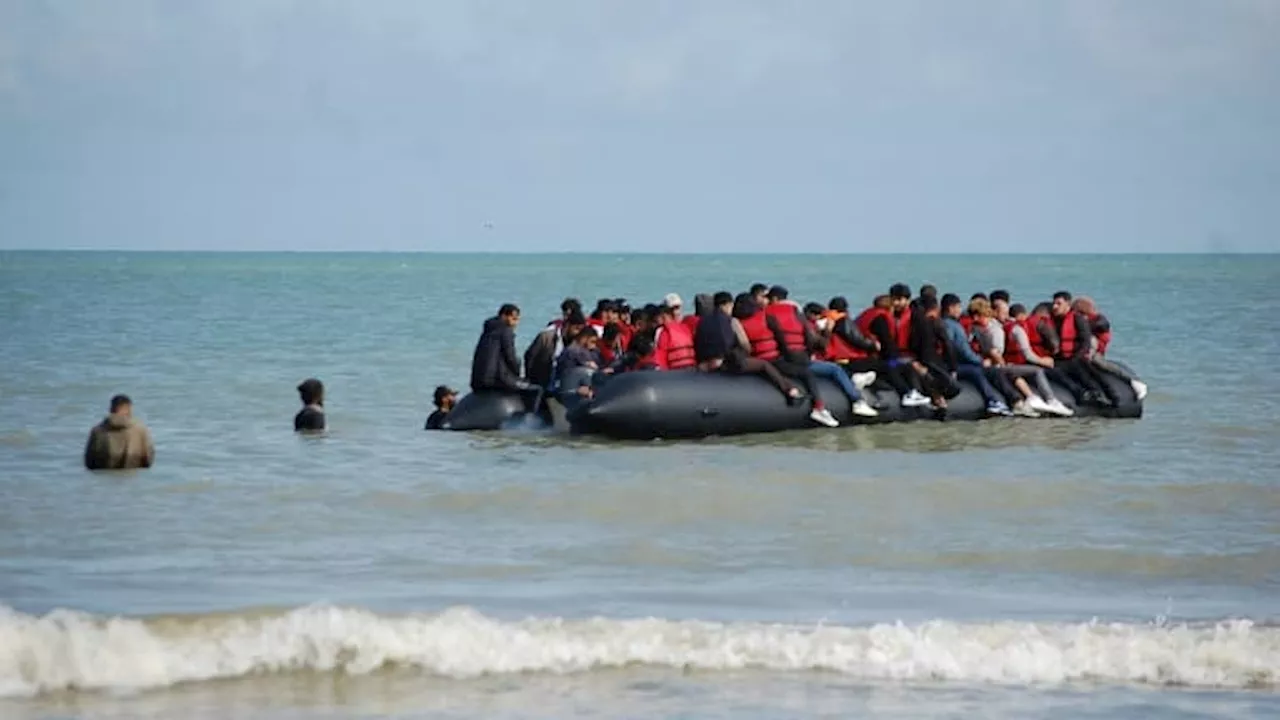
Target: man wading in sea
column 119, row 442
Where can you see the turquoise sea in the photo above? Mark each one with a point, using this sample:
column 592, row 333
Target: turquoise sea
column 1008, row 568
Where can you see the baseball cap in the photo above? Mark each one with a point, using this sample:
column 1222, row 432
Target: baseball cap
column 442, row 392
column 672, row 300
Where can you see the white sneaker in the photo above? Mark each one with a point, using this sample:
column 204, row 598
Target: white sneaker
column 824, row 416
column 862, row 408
column 1037, row 403
column 861, row 380
column 1139, row 388
column 1024, row 410
column 1057, row 408
column 914, row 399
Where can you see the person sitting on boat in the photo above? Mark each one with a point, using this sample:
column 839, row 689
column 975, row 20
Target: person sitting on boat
column 723, row 344
column 639, row 357
column 968, row 364
column 1075, row 351
column 1101, row 329
column 931, row 358
column 580, row 352
column 673, row 340
column 818, row 341
column 877, row 322
column 795, row 341
column 987, row 339
column 495, row 364
column 540, row 356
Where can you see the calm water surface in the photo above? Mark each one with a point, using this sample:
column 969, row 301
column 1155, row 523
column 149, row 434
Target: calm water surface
column 1022, row 568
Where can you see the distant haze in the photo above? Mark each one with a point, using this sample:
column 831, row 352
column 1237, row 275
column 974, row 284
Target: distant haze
column 608, row 125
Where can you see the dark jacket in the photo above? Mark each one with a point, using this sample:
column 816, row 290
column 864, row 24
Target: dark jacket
column 495, row 365
column 714, row 337
column 540, row 357
column 929, row 345
column 848, row 331
column 883, row 332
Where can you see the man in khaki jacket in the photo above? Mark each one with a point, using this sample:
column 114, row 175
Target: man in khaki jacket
column 119, row 442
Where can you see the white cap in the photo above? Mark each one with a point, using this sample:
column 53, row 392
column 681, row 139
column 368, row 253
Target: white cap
column 672, row 300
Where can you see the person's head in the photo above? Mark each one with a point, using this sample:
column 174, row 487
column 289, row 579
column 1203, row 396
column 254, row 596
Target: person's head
column 978, row 296
column 573, row 324
column 928, row 290
column 950, row 305
column 1084, row 304
column 744, row 306
column 928, row 304
column 606, row 311
column 611, row 333
column 642, row 346
column 813, row 311
column 1000, row 305
column 776, row 294
column 510, row 315
column 1061, row 303
column 311, row 391
column 121, row 405
column 668, row 313
column 586, row 338
column 1018, row 311
column 899, row 296
column 645, row 318
column 672, row 306
column 724, row 301
column 979, row 309
column 1043, row 309
column 839, row 304
column 445, row 397
column 885, row 302
column 569, row 305
column 760, row 293
column 624, row 310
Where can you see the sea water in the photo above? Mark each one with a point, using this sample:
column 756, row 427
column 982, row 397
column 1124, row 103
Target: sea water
column 1007, row 568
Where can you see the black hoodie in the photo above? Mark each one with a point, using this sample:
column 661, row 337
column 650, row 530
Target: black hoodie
column 495, row 364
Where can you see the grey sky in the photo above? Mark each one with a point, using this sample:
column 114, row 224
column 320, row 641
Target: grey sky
column 712, row 125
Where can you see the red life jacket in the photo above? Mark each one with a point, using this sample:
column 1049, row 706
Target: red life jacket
column 869, row 315
column 691, row 322
column 838, row 349
column 787, row 316
column 973, row 336
column 1104, row 338
column 902, row 331
column 1012, row 352
column 1038, row 342
column 1067, row 335
column 675, row 347
column 763, row 344
column 648, row 362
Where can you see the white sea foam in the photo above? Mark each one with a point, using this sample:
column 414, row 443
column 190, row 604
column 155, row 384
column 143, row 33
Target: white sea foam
column 66, row 650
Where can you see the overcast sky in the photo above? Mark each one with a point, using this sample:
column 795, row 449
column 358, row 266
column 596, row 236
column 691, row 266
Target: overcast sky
column 616, row 125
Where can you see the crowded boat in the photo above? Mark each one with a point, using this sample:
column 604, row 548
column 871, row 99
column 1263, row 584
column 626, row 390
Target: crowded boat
column 1033, row 359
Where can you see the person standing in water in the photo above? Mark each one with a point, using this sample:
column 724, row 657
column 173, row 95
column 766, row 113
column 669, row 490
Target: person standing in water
column 444, row 399
column 311, row 417
column 120, row 441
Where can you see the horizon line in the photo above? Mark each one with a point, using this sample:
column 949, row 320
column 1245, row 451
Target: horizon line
column 199, row 251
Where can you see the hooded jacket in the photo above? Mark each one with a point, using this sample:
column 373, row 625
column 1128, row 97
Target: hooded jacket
column 495, row 364
column 119, row 443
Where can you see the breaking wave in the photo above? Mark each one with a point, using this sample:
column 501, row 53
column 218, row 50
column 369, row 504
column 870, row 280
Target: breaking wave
column 74, row 651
